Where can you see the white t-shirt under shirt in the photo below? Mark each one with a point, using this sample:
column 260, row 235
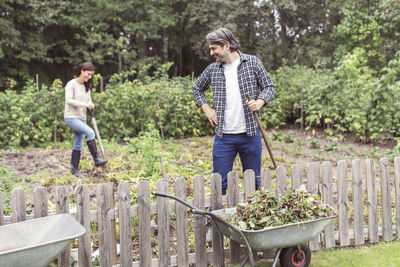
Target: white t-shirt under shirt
column 234, row 120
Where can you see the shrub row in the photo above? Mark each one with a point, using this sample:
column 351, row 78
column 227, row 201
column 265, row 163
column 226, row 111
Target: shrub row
column 351, row 98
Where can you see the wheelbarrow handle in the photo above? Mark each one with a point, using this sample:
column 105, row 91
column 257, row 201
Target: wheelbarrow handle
column 187, row 204
column 197, row 211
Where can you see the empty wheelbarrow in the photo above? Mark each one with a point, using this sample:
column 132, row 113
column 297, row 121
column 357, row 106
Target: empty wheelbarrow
column 289, row 239
column 35, row 243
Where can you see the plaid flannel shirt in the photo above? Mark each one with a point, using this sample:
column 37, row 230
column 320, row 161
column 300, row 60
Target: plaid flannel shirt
column 253, row 79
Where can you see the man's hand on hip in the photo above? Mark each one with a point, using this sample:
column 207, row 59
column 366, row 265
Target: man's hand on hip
column 255, row 105
column 210, row 114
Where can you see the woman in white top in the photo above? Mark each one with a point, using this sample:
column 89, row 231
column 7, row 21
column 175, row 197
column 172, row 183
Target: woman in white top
column 77, row 100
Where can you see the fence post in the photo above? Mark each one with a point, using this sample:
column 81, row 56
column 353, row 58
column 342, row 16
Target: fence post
column 327, row 190
column 125, row 225
column 357, row 202
column 313, row 180
column 62, row 206
column 266, row 184
column 386, row 201
column 343, row 204
column 266, row 178
column 397, row 190
column 249, row 183
column 144, row 224
column 18, row 205
column 249, row 189
column 40, row 202
column 83, row 217
column 216, row 203
column 281, row 181
column 181, row 223
column 233, row 199
column 104, row 194
column 372, row 202
column 296, row 176
column 164, row 257
column 200, row 226
column 1, row 209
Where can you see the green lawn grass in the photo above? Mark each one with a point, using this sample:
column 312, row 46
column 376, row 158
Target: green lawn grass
column 382, row 254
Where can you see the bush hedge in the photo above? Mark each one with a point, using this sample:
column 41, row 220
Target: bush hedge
column 351, row 98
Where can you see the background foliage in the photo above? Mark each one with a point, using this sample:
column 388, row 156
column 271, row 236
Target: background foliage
column 335, row 64
column 52, row 37
column 347, row 99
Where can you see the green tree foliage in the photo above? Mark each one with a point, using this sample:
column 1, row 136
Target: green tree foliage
column 52, row 37
column 373, row 25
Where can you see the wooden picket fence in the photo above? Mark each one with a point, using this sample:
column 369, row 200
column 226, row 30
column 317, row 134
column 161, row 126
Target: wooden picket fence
column 352, row 190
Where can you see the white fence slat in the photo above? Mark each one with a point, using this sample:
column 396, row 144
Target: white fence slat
column 249, row 183
column 357, row 202
column 372, row 202
column 313, row 180
column 125, row 225
column 104, row 224
column 83, row 217
column 144, row 223
column 181, row 223
column 313, row 177
column 343, row 204
column 233, row 199
column 265, row 178
column 163, row 233
column 327, row 187
column 281, row 180
column 40, row 202
column 18, row 205
column 397, row 192
column 62, row 206
column 249, row 189
column 296, row 176
column 216, row 203
column 200, row 222
column 386, row 200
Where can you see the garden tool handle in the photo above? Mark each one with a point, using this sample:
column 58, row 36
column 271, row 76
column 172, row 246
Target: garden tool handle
column 262, row 133
column 91, row 112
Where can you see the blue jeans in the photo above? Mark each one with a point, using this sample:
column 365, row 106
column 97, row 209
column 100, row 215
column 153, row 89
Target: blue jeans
column 225, row 150
column 81, row 129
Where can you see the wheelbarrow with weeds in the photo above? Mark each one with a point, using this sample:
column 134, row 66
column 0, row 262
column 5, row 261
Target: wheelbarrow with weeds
column 36, row 242
column 290, row 240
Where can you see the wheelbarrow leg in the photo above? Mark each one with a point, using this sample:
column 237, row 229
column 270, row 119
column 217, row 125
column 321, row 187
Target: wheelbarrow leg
column 244, row 261
column 276, row 257
column 249, row 256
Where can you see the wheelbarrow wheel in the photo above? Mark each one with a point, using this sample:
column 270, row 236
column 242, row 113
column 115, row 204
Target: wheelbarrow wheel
column 290, row 258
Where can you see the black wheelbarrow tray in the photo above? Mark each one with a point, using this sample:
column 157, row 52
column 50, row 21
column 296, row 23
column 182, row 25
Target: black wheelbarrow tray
column 36, row 242
column 288, row 239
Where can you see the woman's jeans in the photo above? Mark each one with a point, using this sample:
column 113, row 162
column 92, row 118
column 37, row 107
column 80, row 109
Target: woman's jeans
column 225, row 150
column 81, row 129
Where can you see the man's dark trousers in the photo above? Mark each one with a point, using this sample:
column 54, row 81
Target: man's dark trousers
column 225, row 150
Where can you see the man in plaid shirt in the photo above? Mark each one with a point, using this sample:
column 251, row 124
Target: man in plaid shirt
column 231, row 77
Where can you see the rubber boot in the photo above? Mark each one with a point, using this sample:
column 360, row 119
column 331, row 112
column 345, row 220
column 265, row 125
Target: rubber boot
column 93, row 150
column 75, row 158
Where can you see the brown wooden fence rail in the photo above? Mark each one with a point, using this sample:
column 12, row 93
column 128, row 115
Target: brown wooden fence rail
column 362, row 193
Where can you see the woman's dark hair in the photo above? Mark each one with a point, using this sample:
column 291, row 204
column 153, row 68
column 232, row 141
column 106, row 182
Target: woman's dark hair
column 87, row 66
column 223, row 36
